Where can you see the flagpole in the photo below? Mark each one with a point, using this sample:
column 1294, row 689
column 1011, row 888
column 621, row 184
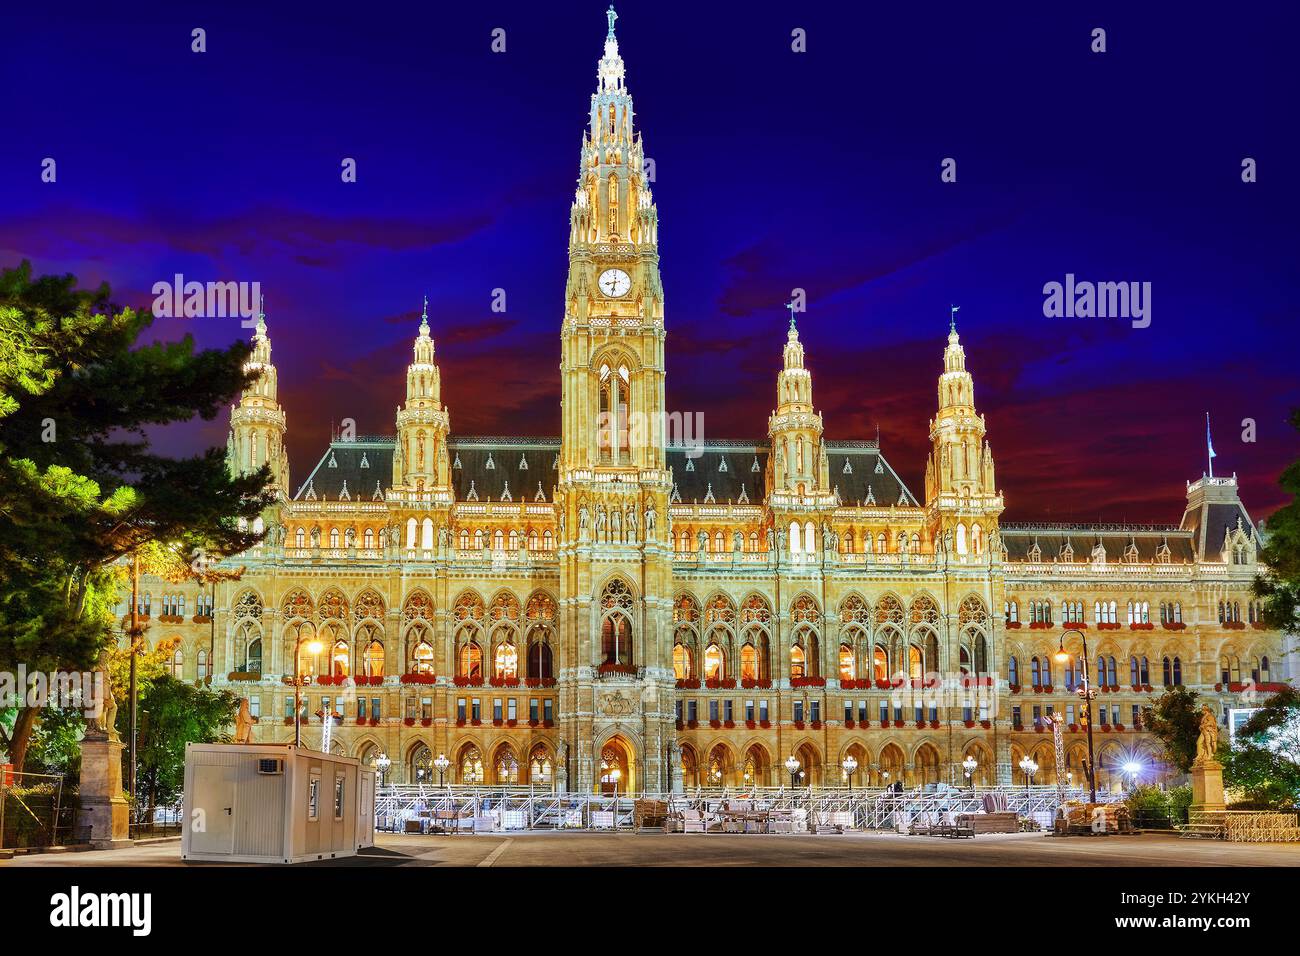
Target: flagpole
column 1209, row 446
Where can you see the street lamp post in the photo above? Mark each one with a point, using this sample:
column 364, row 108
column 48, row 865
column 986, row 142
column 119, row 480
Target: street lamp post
column 314, row 647
column 969, row 765
column 850, row 764
column 792, row 767
column 441, row 764
column 1028, row 767
column 382, row 763
column 1087, row 695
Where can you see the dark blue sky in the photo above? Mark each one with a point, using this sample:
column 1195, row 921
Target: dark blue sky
column 773, row 170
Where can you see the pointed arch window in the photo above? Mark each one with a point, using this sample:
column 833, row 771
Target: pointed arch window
column 470, row 661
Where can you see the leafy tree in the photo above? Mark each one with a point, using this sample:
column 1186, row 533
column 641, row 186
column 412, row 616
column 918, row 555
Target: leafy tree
column 1279, row 585
column 81, row 486
column 1264, row 760
column 1175, row 720
column 172, row 714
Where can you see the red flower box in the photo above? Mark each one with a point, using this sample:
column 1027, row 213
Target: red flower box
column 798, row 725
column 715, row 724
column 1012, row 624
column 969, row 724
column 808, row 682
column 680, row 725
column 539, row 682
column 1175, row 626
column 934, row 725
column 548, row 723
column 504, row 682
column 1119, row 727
column 288, row 721
column 1014, row 688
column 1141, row 627
column 374, row 721
column 426, row 721
column 409, row 721
column 729, row 724
column 418, row 678
column 882, row 684
column 467, row 681
column 476, row 722
column 692, row 724
column 1258, row 625
column 848, row 724
column 361, row 721
column 1218, row 687
column 1147, row 688
column 608, row 668
column 1073, row 728
column 1234, row 625
column 1039, row 625
column 765, row 724
column 749, row 724
column 497, row 722
column 816, row 725
column 1105, row 728
column 1038, row 688
column 1048, row 688
column 864, row 724
column 884, row 723
column 986, row 724
column 532, row 721
column 460, row 721
column 750, row 683
column 1108, row 627
column 921, row 725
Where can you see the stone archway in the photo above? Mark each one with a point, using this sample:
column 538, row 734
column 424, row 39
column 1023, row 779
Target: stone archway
column 616, row 767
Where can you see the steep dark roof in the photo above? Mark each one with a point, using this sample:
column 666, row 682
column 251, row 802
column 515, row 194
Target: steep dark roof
column 487, row 468
column 352, row 467
column 1019, row 540
column 1208, row 523
column 857, row 470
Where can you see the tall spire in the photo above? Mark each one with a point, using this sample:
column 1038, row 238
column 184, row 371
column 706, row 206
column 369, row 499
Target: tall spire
column 952, row 319
column 424, row 318
column 612, row 17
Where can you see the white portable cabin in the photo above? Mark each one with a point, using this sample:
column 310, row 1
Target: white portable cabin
column 274, row 803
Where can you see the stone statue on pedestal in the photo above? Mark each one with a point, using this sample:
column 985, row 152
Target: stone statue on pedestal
column 1207, row 744
column 243, row 723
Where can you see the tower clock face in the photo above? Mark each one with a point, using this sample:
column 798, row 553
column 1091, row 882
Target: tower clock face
column 614, row 283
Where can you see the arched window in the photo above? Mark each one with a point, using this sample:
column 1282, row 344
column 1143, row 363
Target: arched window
column 1178, row 672
column 506, row 665
column 748, row 662
column 915, row 663
column 795, row 544
column 1013, row 671
column 714, row 662
column 202, row 661
column 540, row 768
column 1166, row 671
column 848, row 670
column 300, row 538
column 616, row 624
column 681, row 661
column 809, row 538
column 798, row 662
column 334, row 537
column 961, row 538
column 880, row 663
column 339, row 659
column 1134, row 677
column 470, row 661
column 471, row 766
column 1035, row 671
column 539, row 659
column 507, row 767
column 374, row 659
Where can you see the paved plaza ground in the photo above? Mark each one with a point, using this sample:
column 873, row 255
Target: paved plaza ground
column 661, row 849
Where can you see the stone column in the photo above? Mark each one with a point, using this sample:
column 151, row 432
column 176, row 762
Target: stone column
column 103, row 804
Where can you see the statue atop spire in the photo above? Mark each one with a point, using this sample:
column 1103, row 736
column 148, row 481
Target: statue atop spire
column 424, row 318
column 612, row 17
column 952, row 318
column 791, row 307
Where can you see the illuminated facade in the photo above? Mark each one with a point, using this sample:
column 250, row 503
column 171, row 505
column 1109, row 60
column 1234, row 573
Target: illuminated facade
column 607, row 608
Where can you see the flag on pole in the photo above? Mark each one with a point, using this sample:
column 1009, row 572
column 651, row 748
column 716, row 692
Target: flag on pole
column 1209, row 444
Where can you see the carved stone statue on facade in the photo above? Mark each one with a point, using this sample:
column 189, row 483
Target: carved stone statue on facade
column 600, row 522
column 650, row 520
column 615, row 524
column 631, row 523
column 738, row 541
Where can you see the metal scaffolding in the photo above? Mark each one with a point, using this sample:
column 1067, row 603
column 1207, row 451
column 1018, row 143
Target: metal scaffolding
column 418, row 808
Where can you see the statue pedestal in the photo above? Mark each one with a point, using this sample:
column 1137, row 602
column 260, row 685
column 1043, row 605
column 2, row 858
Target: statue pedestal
column 1207, row 785
column 103, row 804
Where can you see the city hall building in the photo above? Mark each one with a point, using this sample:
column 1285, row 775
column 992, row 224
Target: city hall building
column 610, row 609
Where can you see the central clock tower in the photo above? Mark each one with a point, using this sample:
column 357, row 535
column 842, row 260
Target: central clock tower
column 613, row 484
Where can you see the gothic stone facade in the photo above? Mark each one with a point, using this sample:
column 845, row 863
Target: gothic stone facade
column 608, row 609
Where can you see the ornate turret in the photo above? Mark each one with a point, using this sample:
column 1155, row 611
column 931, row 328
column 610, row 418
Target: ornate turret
column 799, row 465
column 420, row 461
column 257, row 423
column 960, row 493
